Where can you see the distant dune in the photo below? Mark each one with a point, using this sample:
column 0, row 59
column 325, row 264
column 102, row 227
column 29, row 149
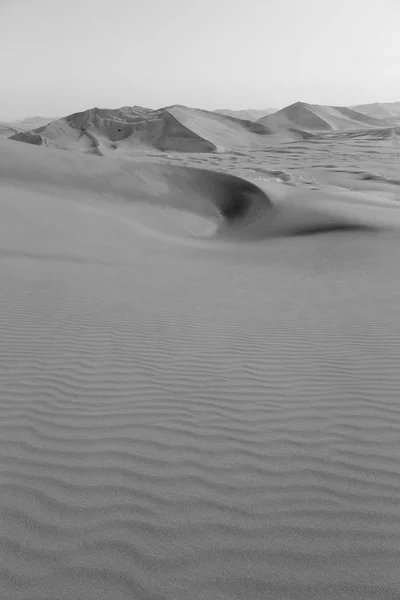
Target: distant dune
column 247, row 115
column 313, row 117
column 7, row 130
column 28, row 123
column 32, row 122
column 14, row 128
column 380, row 110
column 126, row 130
column 99, row 131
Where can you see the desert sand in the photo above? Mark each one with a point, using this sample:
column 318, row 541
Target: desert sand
column 247, row 115
column 199, row 355
column 10, row 128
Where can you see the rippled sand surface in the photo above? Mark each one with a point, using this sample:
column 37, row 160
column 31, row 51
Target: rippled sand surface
column 199, row 374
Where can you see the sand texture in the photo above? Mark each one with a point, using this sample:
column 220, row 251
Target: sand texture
column 177, row 128
column 199, row 360
column 246, row 115
column 380, row 110
column 10, row 128
column 313, row 117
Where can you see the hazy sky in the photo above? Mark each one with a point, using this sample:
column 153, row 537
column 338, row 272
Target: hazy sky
column 62, row 56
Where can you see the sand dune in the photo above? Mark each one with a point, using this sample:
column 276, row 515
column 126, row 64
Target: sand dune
column 377, row 133
column 250, row 114
column 238, row 206
column 7, row 130
column 199, row 369
column 380, row 110
column 314, row 117
column 31, row 122
column 178, row 128
column 12, row 128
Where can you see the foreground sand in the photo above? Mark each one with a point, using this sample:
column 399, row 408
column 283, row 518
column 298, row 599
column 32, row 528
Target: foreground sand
column 195, row 401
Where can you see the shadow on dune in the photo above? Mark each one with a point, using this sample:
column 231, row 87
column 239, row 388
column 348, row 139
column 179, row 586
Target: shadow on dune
column 238, row 209
column 248, row 212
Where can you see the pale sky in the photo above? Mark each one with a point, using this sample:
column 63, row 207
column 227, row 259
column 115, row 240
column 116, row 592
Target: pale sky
column 62, row 56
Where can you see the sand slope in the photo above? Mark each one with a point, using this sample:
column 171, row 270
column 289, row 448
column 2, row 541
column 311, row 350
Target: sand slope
column 380, row 110
column 100, row 131
column 238, row 207
column 7, row 130
column 179, row 128
column 248, row 114
column 10, row 128
column 31, row 122
column 313, row 117
column 21, row 128
column 197, row 402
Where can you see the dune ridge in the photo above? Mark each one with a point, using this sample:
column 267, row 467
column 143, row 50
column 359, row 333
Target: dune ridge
column 7, row 130
column 249, row 114
column 173, row 128
column 182, row 129
column 242, row 207
column 380, row 110
column 16, row 127
column 313, row 117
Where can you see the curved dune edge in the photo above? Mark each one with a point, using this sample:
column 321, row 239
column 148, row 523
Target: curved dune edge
column 238, row 208
column 172, row 420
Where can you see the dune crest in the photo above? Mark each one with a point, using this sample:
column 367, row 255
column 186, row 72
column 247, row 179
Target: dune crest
column 313, row 117
column 179, row 128
column 381, row 110
column 243, row 209
column 249, row 114
column 175, row 128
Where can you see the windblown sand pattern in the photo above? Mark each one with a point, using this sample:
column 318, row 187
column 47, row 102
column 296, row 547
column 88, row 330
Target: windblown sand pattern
column 199, row 378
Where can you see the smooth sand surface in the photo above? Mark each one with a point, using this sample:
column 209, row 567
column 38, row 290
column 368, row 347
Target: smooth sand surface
column 380, row 110
column 10, row 128
column 199, row 373
column 247, row 115
column 316, row 117
column 7, row 130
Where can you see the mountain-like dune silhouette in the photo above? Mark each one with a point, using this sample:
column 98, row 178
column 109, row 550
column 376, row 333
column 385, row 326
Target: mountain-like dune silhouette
column 14, row 128
column 178, row 128
column 380, row 110
column 250, row 114
column 313, row 117
column 31, row 122
column 7, row 130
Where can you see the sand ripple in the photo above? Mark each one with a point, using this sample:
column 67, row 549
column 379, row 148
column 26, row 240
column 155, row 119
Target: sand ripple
column 194, row 422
